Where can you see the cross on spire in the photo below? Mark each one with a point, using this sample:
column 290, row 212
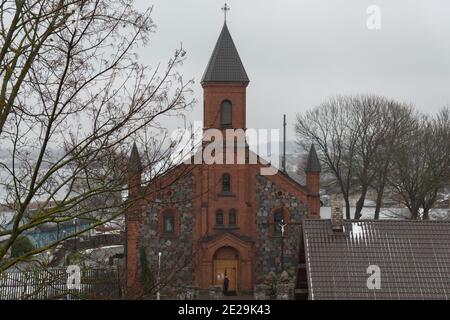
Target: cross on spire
column 225, row 9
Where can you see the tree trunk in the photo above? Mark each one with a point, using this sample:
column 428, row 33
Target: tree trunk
column 347, row 207
column 414, row 212
column 360, row 203
column 379, row 203
column 380, row 191
column 428, row 204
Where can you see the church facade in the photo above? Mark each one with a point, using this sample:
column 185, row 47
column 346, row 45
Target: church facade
column 201, row 222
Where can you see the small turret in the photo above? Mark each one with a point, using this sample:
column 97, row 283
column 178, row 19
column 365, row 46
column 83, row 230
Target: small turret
column 133, row 221
column 134, row 162
column 313, row 164
column 134, row 171
column 312, row 171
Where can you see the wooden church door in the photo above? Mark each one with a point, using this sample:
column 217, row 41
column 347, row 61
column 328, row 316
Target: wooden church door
column 226, row 264
column 224, row 268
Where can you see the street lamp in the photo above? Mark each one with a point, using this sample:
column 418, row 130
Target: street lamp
column 75, row 224
column 158, row 297
column 65, row 246
column 48, row 257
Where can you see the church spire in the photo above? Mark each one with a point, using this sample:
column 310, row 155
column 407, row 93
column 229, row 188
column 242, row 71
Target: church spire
column 225, row 65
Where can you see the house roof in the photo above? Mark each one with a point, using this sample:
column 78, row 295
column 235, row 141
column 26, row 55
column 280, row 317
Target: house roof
column 413, row 257
column 225, row 65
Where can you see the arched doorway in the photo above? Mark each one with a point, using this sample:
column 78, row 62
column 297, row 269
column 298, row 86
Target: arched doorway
column 226, row 263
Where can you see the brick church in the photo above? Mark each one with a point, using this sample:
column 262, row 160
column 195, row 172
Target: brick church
column 209, row 221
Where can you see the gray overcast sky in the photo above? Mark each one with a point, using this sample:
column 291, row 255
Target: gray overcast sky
column 299, row 53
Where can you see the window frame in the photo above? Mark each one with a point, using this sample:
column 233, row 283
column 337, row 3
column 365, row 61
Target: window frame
column 219, row 213
column 174, row 215
column 228, row 184
column 232, row 212
column 171, row 216
column 228, row 124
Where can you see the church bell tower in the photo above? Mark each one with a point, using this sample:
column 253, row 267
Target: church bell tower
column 224, row 86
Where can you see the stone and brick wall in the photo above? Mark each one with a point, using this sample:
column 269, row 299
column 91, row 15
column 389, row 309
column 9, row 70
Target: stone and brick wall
column 268, row 247
column 177, row 250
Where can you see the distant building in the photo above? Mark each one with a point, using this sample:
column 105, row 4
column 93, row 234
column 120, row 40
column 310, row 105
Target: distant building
column 46, row 233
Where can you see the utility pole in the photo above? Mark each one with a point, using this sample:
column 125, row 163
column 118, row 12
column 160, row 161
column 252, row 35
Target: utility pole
column 283, row 161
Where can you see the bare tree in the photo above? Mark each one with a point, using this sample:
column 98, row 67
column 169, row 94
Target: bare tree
column 397, row 121
column 73, row 96
column 382, row 125
column 358, row 138
column 421, row 164
column 331, row 128
column 369, row 122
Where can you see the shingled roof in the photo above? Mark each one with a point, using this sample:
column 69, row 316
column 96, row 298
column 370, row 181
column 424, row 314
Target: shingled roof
column 413, row 257
column 225, row 65
column 134, row 162
column 313, row 164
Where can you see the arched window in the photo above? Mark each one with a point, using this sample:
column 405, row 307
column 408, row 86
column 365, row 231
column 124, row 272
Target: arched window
column 278, row 218
column 219, row 217
column 225, row 114
column 169, row 222
column 226, row 182
column 232, row 217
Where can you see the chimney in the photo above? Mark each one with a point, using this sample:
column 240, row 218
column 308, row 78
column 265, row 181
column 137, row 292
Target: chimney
column 337, row 220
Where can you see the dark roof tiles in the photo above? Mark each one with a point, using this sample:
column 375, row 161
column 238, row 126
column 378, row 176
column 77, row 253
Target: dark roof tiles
column 134, row 162
column 313, row 164
column 225, row 65
column 413, row 257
